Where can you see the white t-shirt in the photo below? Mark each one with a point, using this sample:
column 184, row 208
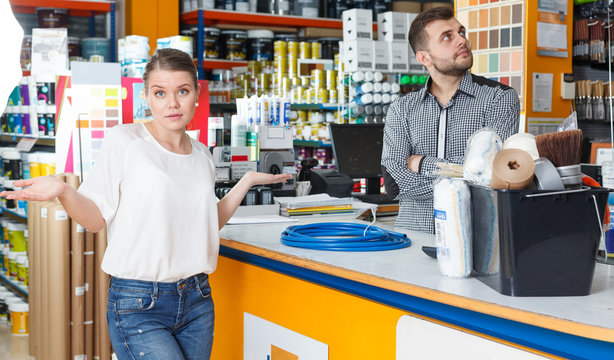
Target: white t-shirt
column 160, row 207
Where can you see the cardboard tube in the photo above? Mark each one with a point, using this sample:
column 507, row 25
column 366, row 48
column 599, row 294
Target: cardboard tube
column 102, row 294
column 77, row 286
column 33, row 214
column 58, row 227
column 89, row 261
column 72, row 180
column 513, row 169
column 44, row 308
column 77, row 277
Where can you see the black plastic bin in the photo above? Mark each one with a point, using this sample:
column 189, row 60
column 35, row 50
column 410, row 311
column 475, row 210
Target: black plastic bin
column 536, row 243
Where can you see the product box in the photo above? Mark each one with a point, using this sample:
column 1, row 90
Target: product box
column 357, row 55
column 357, row 24
column 49, row 51
column 398, row 56
column 393, row 26
column 380, row 56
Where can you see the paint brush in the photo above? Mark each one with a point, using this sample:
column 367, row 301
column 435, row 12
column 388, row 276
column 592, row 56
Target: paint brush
column 562, row 148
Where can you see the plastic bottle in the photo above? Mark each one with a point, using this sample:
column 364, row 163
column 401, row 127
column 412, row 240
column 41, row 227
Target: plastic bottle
column 238, row 131
column 252, row 132
column 607, row 173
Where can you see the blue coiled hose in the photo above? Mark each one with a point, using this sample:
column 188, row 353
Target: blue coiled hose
column 343, row 236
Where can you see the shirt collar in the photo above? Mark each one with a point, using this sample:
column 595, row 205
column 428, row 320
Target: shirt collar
column 465, row 86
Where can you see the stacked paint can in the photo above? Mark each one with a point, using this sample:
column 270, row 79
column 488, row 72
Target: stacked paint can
column 368, row 95
column 183, row 43
column 30, row 109
column 132, row 54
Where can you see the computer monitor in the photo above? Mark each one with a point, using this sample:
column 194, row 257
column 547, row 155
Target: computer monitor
column 358, row 152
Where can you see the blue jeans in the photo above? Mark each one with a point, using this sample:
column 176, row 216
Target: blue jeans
column 153, row 320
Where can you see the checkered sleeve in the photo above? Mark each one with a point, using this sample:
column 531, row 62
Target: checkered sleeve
column 504, row 114
column 400, row 182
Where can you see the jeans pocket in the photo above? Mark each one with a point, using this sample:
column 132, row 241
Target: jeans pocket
column 205, row 288
column 134, row 302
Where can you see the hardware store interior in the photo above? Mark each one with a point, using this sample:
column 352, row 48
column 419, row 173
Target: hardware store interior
column 306, row 179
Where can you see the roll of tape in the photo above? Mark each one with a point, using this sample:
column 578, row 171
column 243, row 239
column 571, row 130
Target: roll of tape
column 522, row 141
column 546, row 176
column 513, row 169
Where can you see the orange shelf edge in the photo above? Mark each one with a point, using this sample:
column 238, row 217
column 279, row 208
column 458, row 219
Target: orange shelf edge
column 232, row 17
column 210, row 64
column 27, row 6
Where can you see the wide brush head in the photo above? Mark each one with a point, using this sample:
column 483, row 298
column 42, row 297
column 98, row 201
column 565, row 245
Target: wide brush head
column 561, row 148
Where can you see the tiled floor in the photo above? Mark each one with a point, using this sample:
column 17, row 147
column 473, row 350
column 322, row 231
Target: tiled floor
column 13, row 347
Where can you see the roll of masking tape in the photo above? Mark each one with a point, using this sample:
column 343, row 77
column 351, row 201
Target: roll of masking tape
column 522, row 141
column 513, row 169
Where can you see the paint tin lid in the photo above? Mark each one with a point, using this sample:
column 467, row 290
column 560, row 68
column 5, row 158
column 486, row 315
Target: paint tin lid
column 19, row 307
column 33, row 157
column 11, row 155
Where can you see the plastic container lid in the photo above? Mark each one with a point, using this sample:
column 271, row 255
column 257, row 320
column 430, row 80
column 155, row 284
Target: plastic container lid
column 33, row 157
column 14, row 226
column 12, row 255
column 21, row 259
column 46, row 158
column 74, row 39
column 19, row 307
column 96, row 39
column 236, row 32
column 211, row 30
column 267, row 34
column 56, row 10
column 5, row 294
column 8, row 183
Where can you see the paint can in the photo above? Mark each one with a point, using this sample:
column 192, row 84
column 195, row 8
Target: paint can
column 47, row 163
column 19, row 313
column 11, row 160
column 95, row 46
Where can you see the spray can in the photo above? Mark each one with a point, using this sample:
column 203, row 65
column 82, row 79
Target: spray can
column 377, row 87
column 363, row 88
column 386, row 87
column 364, row 99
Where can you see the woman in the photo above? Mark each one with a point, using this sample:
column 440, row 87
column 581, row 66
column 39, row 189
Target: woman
column 153, row 188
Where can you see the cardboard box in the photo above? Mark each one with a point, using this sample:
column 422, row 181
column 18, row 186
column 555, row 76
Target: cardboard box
column 392, row 26
column 312, row 32
column 380, row 56
column 357, row 24
column 407, row 6
column 398, row 56
column 358, row 55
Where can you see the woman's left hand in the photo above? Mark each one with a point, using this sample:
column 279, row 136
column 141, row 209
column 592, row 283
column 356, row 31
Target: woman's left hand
column 258, row 178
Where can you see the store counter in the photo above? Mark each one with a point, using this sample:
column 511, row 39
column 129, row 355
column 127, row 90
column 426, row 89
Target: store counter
column 390, row 304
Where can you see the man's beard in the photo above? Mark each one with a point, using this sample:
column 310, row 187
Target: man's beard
column 452, row 69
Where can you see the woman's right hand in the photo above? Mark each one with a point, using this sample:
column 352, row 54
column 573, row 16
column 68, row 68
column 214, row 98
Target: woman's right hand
column 37, row 189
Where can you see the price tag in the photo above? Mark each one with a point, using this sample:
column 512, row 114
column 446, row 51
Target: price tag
column 25, row 144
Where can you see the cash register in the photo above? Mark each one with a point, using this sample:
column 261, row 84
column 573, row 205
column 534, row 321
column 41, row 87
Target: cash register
column 358, row 153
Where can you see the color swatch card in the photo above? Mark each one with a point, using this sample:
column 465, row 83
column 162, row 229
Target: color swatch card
column 96, row 107
column 495, row 30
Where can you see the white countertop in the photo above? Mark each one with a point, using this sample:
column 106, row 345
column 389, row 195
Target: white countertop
column 411, row 266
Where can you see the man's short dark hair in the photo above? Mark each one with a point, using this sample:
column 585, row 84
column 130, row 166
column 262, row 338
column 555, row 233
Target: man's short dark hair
column 417, row 35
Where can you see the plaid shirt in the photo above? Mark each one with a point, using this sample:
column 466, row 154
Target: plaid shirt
column 412, row 127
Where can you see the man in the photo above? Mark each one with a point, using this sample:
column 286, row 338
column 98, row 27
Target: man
column 432, row 123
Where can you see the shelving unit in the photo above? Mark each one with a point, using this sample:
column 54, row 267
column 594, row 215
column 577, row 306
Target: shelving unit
column 14, row 138
column 19, row 289
column 212, row 17
column 77, row 8
column 14, row 215
column 312, row 143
